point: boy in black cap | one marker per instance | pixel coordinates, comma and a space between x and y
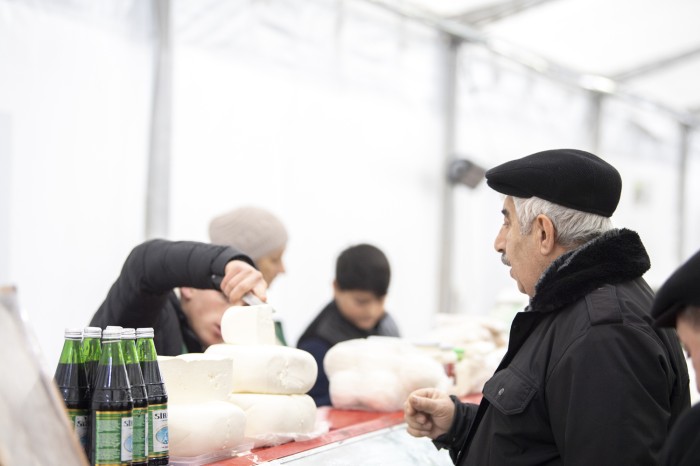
677, 304
586, 380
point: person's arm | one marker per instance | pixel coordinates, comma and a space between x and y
444, 419
155, 267
608, 398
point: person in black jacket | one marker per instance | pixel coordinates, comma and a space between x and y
586, 379
362, 275
210, 279
677, 304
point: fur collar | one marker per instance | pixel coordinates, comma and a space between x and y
614, 257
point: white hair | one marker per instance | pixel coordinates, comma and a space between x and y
572, 227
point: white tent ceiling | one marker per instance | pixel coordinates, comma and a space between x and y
645, 48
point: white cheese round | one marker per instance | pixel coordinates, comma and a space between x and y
198, 428
268, 369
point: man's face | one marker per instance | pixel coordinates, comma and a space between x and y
204, 310
690, 338
520, 252
362, 308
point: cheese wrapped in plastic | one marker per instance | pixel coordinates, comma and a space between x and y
378, 373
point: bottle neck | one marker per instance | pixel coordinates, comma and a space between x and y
71, 352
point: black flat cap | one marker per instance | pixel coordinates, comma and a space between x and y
568, 177
679, 291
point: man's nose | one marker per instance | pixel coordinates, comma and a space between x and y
499, 243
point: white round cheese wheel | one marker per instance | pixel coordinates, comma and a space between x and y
271, 416
198, 428
268, 369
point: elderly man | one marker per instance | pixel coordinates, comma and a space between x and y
677, 304
586, 379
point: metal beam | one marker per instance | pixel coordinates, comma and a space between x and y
497, 12
449, 106
684, 152
656, 65
158, 177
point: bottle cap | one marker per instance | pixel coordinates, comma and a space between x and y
112, 333
92, 332
128, 334
74, 333
144, 332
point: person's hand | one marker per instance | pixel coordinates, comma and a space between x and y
240, 278
428, 413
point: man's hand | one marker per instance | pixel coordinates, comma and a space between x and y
428, 413
240, 278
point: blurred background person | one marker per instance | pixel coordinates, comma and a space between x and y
677, 304
362, 276
259, 234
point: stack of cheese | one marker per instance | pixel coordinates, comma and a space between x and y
247, 389
482, 341
378, 373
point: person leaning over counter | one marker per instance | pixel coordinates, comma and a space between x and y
143, 294
586, 379
677, 304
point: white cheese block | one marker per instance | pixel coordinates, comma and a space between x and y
268, 369
196, 377
270, 418
249, 325
198, 428
378, 374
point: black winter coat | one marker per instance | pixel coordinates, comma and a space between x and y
682, 448
142, 295
586, 379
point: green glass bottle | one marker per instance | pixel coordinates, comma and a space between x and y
112, 405
72, 383
138, 393
90, 351
157, 399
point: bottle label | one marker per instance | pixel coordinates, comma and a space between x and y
109, 431
79, 419
159, 430
127, 438
140, 439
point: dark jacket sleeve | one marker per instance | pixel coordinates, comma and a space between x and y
455, 438
152, 270
318, 349
608, 398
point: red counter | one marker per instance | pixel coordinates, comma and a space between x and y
343, 425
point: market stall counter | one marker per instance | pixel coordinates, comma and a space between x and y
354, 437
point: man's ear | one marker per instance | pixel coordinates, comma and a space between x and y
546, 234
186, 292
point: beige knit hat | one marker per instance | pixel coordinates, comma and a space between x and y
251, 230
